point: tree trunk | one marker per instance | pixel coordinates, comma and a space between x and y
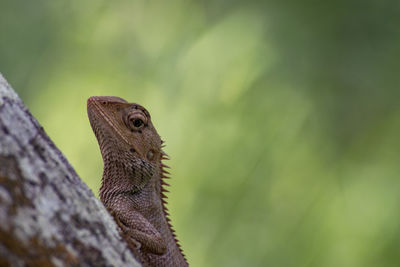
48, 216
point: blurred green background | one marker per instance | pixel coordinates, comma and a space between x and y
282, 118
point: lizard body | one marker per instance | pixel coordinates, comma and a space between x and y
133, 183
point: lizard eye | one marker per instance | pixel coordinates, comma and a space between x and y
136, 121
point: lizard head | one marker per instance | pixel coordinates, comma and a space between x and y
123, 128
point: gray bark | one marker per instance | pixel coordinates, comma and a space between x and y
48, 216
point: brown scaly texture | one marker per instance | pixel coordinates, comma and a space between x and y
133, 183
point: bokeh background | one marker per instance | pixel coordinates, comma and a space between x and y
282, 118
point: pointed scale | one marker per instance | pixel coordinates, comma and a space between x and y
164, 197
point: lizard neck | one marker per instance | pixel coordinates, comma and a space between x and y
124, 174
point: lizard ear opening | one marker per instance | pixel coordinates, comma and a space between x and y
150, 155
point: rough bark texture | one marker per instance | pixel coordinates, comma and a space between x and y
48, 216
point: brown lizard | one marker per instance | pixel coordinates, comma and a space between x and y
133, 183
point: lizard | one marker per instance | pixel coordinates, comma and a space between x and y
133, 184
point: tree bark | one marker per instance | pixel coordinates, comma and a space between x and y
48, 216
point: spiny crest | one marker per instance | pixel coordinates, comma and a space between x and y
164, 173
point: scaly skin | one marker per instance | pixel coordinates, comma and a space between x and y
132, 185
